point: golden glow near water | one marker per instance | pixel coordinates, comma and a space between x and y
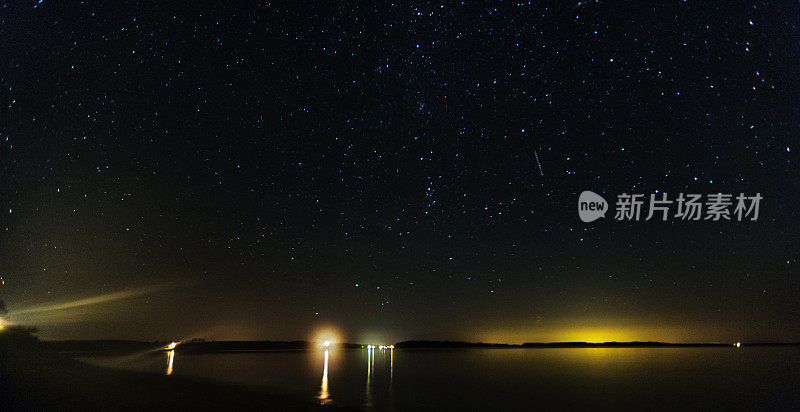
600, 333
326, 336
324, 396
368, 391
170, 360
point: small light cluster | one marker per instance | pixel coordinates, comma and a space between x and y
381, 347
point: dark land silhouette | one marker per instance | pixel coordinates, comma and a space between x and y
119, 347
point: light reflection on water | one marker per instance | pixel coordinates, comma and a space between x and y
324, 396
370, 363
480, 379
391, 366
170, 360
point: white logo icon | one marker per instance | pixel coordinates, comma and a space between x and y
591, 206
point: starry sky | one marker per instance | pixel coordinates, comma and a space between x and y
256, 170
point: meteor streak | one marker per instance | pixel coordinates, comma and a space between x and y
537, 162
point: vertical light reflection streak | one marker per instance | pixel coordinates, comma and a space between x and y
170, 359
368, 392
324, 396
391, 366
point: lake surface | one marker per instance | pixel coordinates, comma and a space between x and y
505, 379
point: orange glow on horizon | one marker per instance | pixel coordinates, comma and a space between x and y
592, 334
596, 335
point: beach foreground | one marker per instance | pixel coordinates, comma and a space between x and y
33, 379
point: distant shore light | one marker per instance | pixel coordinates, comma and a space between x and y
326, 337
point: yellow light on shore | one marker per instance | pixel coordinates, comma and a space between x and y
326, 338
737, 344
171, 346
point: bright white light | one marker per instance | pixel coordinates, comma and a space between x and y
327, 343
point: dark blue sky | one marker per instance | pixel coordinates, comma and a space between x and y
258, 170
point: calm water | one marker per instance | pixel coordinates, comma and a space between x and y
652, 378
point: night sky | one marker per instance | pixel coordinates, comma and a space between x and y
266, 171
